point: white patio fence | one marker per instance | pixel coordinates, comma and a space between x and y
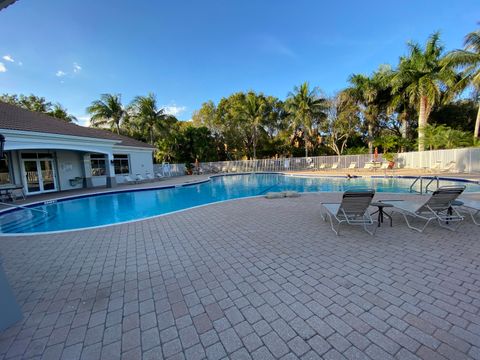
466, 160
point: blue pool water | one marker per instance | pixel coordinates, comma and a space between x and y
119, 207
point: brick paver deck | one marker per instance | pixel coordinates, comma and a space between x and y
253, 278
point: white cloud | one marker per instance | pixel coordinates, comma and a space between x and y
2, 68
83, 120
8, 58
174, 109
20, 63
76, 68
60, 73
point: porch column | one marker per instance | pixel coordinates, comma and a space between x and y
110, 171
87, 170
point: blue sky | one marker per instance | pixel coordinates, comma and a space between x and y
189, 52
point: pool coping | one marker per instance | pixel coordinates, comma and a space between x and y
196, 182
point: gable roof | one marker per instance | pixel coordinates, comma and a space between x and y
15, 118
5, 3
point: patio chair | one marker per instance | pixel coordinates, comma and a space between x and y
437, 207
149, 177
139, 178
450, 167
472, 207
436, 167
353, 210
127, 179
323, 166
352, 165
335, 166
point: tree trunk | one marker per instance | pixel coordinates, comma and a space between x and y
404, 126
255, 144
477, 125
422, 122
370, 138
306, 143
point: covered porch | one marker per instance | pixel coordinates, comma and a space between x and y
50, 163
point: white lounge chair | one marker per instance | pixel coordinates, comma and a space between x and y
450, 167
472, 207
353, 210
436, 167
149, 176
139, 178
322, 166
335, 166
127, 179
437, 207
352, 165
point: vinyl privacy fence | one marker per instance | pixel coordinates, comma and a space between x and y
465, 160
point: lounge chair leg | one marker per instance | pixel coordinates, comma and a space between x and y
337, 230
413, 227
472, 214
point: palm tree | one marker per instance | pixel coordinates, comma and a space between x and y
469, 60
253, 112
151, 118
307, 109
108, 111
423, 78
367, 92
59, 112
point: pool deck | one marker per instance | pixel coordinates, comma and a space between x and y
252, 278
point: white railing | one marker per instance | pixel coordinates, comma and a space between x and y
169, 170
288, 164
466, 160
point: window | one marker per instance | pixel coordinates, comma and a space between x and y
4, 171
97, 162
121, 164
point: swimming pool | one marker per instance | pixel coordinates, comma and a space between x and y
117, 207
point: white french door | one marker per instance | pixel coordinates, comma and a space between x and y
39, 175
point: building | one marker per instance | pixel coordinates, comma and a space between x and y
46, 154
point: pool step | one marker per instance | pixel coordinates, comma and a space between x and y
19, 223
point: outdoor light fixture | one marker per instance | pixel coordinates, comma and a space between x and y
2, 144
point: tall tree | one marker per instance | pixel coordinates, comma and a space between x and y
424, 79
107, 111
306, 108
342, 121
38, 104
469, 60
150, 117
206, 116
372, 94
253, 112
365, 90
